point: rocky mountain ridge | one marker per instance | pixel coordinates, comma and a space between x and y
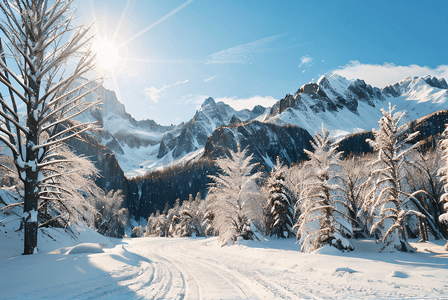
343, 106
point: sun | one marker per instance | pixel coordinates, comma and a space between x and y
107, 56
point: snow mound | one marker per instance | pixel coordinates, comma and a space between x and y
328, 250
87, 248
398, 274
345, 270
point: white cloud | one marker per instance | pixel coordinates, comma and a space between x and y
306, 61
182, 82
192, 99
248, 103
153, 93
387, 73
209, 79
243, 53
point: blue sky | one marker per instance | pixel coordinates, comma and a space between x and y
175, 53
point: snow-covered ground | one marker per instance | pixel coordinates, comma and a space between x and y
197, 268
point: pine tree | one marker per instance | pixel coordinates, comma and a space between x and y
322, 206
387, 203
279, 216
38, 48
233, 197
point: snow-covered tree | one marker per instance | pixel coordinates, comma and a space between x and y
421, 176
160, 225
279, 212
207, 223
233, 198
111, 218
443, 172
40, 42
172, 218
388, 203
323, 208
355, 183
150, 225
137, 231
189, 220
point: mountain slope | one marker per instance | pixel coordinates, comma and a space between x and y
195, 133
350, 106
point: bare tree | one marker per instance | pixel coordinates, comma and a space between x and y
355, 183
40, 43
421, 176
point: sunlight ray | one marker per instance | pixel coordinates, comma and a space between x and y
163, 60
156, 23
92, 8
128, 4
116, 86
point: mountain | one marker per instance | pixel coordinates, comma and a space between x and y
343, 106
350, 106
194, 134
142, 146
265, 141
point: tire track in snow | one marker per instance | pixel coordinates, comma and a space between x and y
208, 271
248, 273
201, 280
169, 281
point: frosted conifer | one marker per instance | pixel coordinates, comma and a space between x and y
387, 202
323, 210
279, 216
233, 197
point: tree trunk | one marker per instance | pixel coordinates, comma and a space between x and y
30, 208
31, 199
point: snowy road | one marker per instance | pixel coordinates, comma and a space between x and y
171, 268
199, 269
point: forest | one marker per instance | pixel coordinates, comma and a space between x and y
395, 193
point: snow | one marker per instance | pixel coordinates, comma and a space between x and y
93, 266
86, 248
417, 98
443, 218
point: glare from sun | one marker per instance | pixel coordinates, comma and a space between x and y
106, 54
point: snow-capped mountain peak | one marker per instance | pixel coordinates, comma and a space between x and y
344, 106
348, 106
